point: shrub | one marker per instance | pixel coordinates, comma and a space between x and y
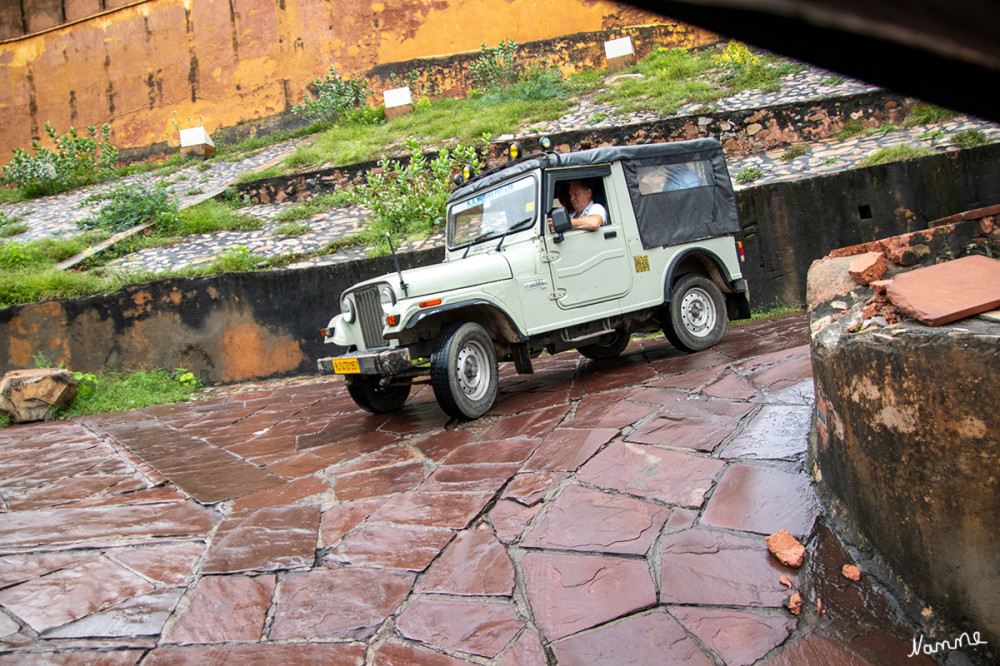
894, 154
120, 391
970, 138
928, 114
749, 174
236, 260
793, 152
536, 85
74, 160
128, 206
495, 68
338, 100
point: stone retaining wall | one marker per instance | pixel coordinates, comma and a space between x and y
243, 326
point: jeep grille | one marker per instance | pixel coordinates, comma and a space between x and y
370, 316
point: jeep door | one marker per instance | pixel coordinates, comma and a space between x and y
588, 268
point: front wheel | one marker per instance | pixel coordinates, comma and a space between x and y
609, 345
464, 370
697, 314
372, 397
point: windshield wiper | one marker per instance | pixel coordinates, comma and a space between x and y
517, 226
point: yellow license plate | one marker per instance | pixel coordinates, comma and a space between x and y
346, 366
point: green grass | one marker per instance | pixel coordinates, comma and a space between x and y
313, 206
927, 114
778, 309
971, 138
749, 174
894, 154
292, 230
794, 151
122, 391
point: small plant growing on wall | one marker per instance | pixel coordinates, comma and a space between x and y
74, 159
749, 174
337, 100
495, 69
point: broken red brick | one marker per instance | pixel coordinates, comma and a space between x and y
794, 603
850, 571
786, 548
880, 286
786, 581
868, 267
946, 292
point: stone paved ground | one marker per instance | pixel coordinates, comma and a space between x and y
602, 513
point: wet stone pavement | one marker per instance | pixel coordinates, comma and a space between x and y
602, 513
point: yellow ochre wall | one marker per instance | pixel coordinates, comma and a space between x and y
233, 61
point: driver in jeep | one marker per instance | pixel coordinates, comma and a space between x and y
585, 213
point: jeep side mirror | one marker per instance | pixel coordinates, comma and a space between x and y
560, 223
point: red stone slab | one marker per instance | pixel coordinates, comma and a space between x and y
650, 639
397, 653
616, 373
379, 482
692, 424
522, 401
474, 564
506, 451
80, 657
142, 615
762, 499
777, 431
343, 517
535, 424
19, 568
731, 386
469, 478
509, 519
63, 491
68, 525
586, 520
225, 609
690, 380
482, 628
704, 567
392, 546
783, 375
345, 426
275, 654
816, 649
569, 592
337, 602
440, 444
949, 291
568, 448
290, 493
739, 637
608, 410
672, 477
380, 459
167, 563
689, 362
430, 509
530, 488
527, 651
264, 540
72, 593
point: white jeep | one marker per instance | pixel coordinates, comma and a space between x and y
517, 280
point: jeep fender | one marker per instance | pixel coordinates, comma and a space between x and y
494, 318
699, 260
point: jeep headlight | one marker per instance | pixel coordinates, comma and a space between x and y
386, 295
347, 310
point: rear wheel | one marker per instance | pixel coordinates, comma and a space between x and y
464, 370
372, 397
697, 314
608, 345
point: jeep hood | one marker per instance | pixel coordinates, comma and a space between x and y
450, 275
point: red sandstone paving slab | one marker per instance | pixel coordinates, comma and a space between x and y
297, 490
343, 517
168, 563
414, 418
757, 498
481, 628
391, 546
621, 372
692, 424
64, 491
264, 540
689, 380
681, 519
732, 386
582, 519
143, 615
380, 459
348, 449
739, 637
672, 477
785, 374
773, 358
608, 410
157, 495
274, 654
719, 569
71, 593
431, 509
440, 444
398, 653
7, 626
379, 482
529, 488
777, 431
337, 602
81, 658
652, 638
527, 651
474, 564
69, 525
816, 649
510, 518
535, 424
505, 451
568, 448
521, 401
948, 291
568, 592
18, 568
225, 609
469, 478
686, 363
343, 427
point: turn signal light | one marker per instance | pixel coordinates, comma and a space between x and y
739, 244
427, 304
392, 320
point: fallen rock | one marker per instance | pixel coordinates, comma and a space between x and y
786, 548
794, 603
880, 286
34, 395
947, 292
786, 581
851, 572
868, 267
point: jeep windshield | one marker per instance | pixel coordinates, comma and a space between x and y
491, 214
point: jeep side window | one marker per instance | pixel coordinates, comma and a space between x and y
672, 177
562, 197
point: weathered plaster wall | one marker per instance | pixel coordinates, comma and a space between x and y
230, 62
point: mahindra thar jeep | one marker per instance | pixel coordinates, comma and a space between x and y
517, 279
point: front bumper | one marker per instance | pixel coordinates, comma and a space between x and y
379, 363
